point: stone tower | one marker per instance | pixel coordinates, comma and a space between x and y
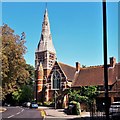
45, 57
45, 52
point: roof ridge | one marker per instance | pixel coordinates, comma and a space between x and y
66, 64
90, 67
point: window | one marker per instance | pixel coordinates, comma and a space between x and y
51, 56
41, 36
56, 80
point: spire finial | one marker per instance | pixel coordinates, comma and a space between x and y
46, 5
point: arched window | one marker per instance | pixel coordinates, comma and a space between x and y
56, 80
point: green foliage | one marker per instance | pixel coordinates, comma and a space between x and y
48, 103
13, 72
16, 95
27, 93
84, 94
91, 93
23, 94
40, 103
31, 71
83, 66
74, 95
83, 99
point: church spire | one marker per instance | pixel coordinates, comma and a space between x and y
45, 53
45, 42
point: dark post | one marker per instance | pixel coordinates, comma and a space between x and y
55, 100
36, 85
105, 59
36, 92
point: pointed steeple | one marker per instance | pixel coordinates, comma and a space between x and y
45, 43
45, 52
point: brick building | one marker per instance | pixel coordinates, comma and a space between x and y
94, 76
53, 76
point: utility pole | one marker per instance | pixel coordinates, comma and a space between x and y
105, 59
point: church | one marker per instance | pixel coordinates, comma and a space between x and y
54, 78
51, 76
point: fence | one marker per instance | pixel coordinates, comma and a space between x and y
96, 114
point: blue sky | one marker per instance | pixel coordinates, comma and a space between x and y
76, 29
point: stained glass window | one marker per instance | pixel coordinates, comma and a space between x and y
56, 79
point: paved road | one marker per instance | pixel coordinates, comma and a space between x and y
21, 113
67, 118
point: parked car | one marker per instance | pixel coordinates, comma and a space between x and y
114, 110
115, 107
26, 104
34, 105
6, 104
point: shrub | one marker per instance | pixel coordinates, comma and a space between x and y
48, 103
40, 103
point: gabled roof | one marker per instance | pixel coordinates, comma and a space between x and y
68, 70
91, 76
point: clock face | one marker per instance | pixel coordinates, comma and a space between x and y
56, 80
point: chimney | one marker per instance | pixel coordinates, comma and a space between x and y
112, 61
77, 67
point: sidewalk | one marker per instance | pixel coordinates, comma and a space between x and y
59, 113
2, 109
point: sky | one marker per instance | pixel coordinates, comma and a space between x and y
76, 29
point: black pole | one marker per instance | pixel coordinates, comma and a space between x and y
36, 89
36, 92
105, 60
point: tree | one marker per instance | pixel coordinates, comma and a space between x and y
25, 92
13, 72
74, 95
90, 93
84, 94
83, 66
16, 96
31, 77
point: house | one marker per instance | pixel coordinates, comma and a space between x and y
94, 76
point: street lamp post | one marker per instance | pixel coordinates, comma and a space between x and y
105, 59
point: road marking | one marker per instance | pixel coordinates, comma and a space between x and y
11, 116
16, 113
22, 110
